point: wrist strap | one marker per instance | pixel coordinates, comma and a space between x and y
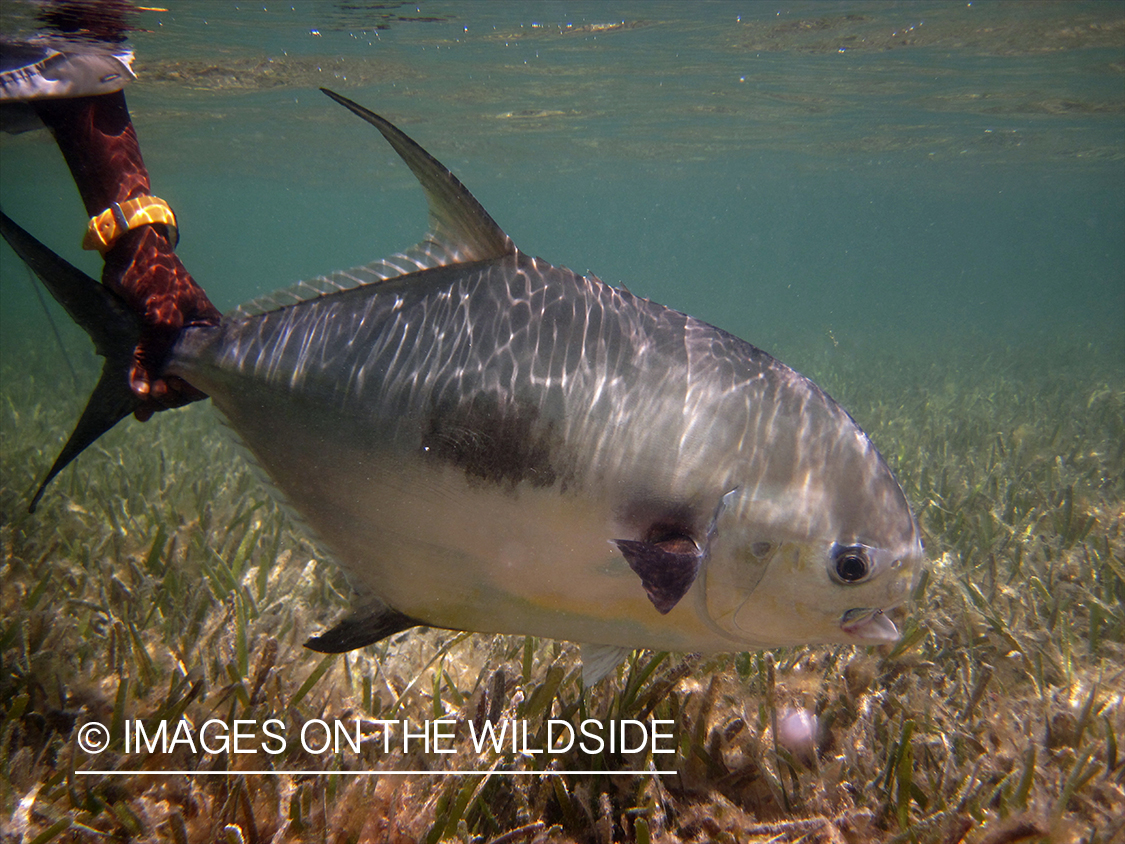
107, 227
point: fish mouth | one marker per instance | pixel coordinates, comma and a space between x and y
869, 624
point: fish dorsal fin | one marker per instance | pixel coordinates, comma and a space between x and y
424, 256
458, 223
460, 231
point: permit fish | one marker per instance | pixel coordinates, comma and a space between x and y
487, 442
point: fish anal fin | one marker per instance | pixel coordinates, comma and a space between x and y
365, 626
667, 569
599, 661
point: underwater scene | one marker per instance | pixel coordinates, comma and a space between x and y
920, 206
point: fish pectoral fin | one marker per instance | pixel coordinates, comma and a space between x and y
666, 569
599, 660
364, 626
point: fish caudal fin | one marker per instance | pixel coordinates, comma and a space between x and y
114, 329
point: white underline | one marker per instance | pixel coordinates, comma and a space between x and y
369, 773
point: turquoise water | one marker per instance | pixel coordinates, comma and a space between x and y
799, 173
919, 205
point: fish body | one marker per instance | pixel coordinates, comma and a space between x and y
488, 442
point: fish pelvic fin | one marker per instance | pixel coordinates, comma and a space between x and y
459, 225
364, 626
600, 661
113, 327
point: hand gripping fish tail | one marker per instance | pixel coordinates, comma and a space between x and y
75, 88
516, 448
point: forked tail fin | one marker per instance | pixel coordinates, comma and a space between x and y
113, 327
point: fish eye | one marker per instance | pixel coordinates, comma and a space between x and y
851, 563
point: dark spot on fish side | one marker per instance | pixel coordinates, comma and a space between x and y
656, 521
760, 549
671, 537
493, 440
